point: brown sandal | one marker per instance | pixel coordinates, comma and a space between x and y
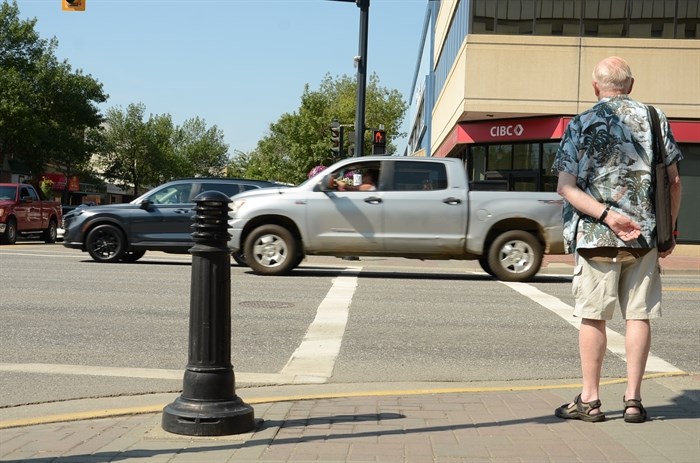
580, 410
640, 417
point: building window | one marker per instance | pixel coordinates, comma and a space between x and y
668, 19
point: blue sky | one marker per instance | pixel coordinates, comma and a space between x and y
237, 64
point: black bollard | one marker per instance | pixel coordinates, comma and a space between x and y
208, 405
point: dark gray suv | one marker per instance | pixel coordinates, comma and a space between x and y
159, 220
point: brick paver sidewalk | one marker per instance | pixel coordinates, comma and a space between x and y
499, 426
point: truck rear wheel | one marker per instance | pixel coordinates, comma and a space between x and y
271, 250
106, 243
515, 255
10, 235
49, 235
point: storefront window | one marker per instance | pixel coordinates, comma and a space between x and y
522, 166
526, 156
549, 152
478, 160
500, 157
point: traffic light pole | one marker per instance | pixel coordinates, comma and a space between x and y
361, 79
361, 61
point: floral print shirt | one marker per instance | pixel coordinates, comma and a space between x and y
608, 148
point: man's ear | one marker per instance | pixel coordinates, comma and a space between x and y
596, 90
629, 90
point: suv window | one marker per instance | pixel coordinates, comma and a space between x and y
229, 189
173, 194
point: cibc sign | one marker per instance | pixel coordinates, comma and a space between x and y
507, 130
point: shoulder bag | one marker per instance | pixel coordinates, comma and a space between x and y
662, 196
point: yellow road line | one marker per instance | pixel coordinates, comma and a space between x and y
106, 413
682, 289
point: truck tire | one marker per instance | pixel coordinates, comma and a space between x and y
10, 235
49, 235
515, 255
106, 243
271, 250
484, 263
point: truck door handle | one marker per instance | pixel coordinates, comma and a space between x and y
182, 211
452, 200
373, 200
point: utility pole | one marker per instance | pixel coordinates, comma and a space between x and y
361, 79
361, 62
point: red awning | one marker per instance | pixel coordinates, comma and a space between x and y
60, 182
535, 128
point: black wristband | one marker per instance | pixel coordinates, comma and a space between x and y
604, 214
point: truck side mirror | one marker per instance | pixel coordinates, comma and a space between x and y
145, 204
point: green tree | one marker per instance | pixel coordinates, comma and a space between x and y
133, 151
198, 150
139, 152
300, 140
45, 106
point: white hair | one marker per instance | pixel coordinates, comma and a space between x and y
613, 74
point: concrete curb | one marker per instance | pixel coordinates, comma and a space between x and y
105, 407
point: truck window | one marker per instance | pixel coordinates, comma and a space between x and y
25, 192
7, 192
415, 176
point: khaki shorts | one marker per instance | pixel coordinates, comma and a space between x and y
635, 285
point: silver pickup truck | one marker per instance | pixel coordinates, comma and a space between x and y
418, 208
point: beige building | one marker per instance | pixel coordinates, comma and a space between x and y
498, 81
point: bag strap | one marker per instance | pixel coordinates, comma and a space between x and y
657, 143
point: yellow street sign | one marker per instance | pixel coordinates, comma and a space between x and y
73, 5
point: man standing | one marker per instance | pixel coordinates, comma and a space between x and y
605, 163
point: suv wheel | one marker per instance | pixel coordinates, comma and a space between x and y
239, 257
132, 256
105, 243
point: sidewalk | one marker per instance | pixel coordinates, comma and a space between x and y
417, 422
434, 423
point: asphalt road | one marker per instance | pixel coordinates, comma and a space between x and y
73, 328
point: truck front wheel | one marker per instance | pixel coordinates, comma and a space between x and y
10, 235
271, 250
106, 243
515, 255
49, 235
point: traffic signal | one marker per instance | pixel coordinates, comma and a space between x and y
73, 5
378, 142
337, 140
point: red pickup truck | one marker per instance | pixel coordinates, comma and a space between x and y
23, 211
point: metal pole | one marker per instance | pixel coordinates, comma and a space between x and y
361, 79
